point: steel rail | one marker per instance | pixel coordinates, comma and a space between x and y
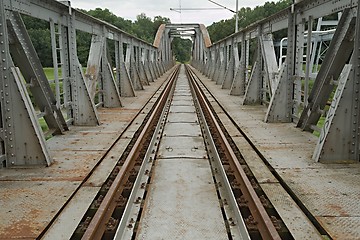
264, 223
97, 226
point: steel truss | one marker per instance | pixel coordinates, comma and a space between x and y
283, 84
77, 94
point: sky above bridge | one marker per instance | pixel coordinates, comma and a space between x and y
129, 9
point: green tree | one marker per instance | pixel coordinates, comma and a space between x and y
39, 32
109, 17
182, 49
158, 20
247, 16
143, 28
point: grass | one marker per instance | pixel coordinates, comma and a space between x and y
49, 72
320, 124
43, 124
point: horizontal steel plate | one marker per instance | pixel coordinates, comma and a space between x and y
189, 102
182, 129
182, 203
342, 227
182, 117
188, 94
182, 98
297, 222
184, 147
182, 109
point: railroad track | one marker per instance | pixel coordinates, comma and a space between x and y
126, 206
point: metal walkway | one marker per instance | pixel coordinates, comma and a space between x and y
182, 201
31, 198
329, 192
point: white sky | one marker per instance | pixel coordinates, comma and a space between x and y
129, 9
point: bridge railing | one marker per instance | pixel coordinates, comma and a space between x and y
75, 94
300, 63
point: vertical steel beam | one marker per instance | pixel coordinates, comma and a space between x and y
223, 60
340, 137
341, 48
337, 140
299, 56
66, 73
281, 103
134, 72
25, 56
230, 71
217, 62
269, 62
355, 120
111, 94
140, 62
21, 139
309, 52
151, 65
238, 86
55, 49
83, 107
93, 68
253, 91
122, 73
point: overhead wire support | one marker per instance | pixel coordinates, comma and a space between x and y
192, 9
222, 6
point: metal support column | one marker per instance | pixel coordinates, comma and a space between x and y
122, 73
21, 139
238, 86
253, 90
83, 107
341, 49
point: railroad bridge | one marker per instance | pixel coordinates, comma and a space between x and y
256, 138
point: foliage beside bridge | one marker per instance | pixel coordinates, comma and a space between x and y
247, 16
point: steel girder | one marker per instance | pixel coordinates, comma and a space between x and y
99, 73
22, 140
282, 88
335, 60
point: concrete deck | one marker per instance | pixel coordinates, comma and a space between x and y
330, 192
32, 197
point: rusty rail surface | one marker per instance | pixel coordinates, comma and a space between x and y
261, 218
99, 222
